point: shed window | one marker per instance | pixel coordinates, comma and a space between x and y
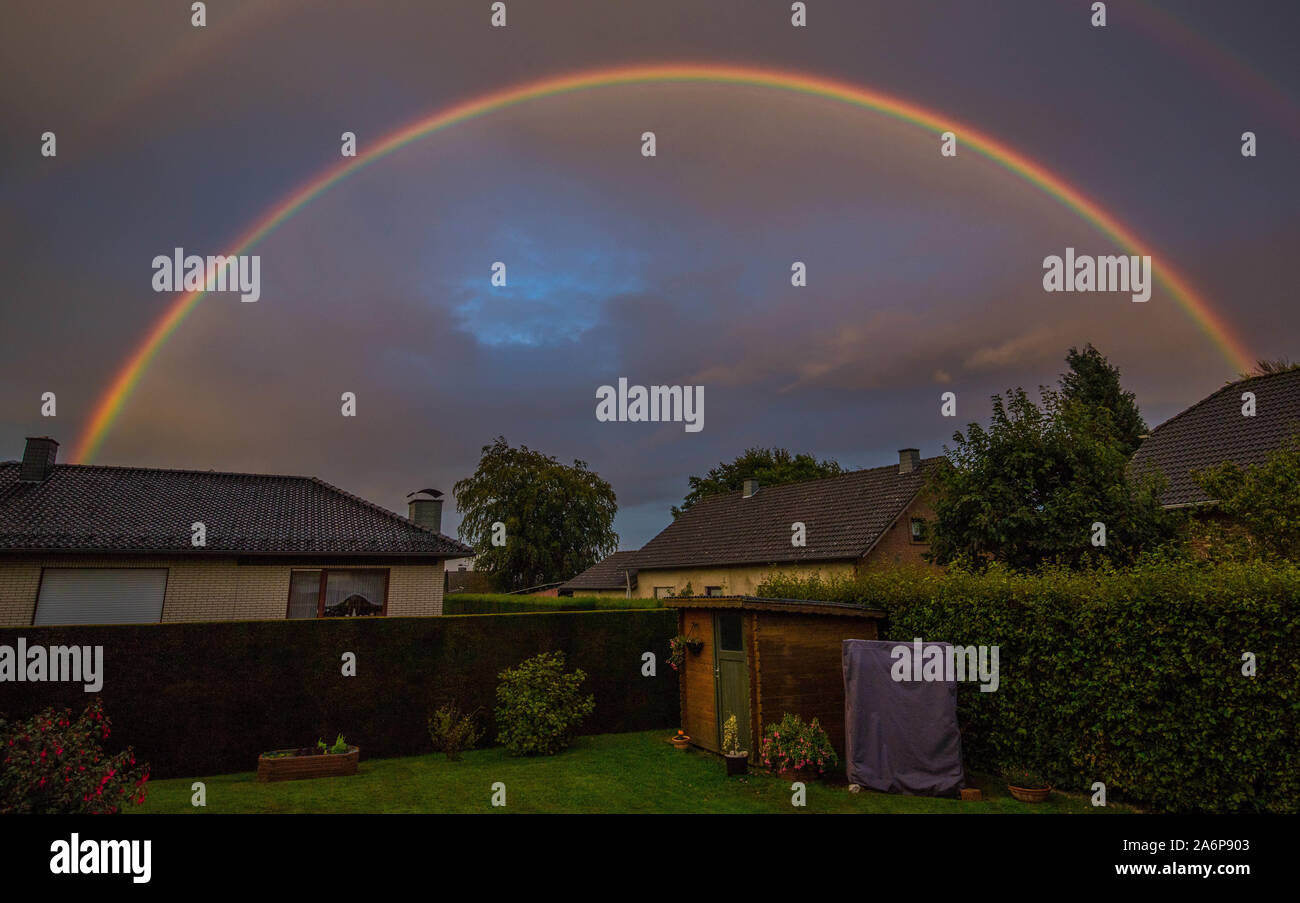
729, 632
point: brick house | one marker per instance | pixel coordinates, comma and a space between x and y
726, 545
85, 544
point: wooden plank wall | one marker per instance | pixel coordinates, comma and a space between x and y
699, 701
799, 668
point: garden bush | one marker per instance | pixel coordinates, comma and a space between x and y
540, 705
54, 764
453, 730
502, 603
1130, 677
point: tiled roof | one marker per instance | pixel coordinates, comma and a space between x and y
844, 516
1214, 430
607, 574
88, 508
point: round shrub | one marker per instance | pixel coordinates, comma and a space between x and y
540, 705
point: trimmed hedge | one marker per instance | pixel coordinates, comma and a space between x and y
1133, 678
196, 699
500, 603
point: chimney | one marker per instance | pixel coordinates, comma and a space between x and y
38, 459
751, 487
426, 512
909, 459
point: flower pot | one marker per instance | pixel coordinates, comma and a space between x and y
291, 765
737, 763
682, 742
1029, 794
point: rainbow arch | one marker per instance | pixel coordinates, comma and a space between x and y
1197, 307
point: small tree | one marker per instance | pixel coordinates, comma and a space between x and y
556, 520
770, 466
540, 705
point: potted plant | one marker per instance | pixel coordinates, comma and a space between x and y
737, 758
682, 740
320, 761
798, 748
1026, 784
677, 647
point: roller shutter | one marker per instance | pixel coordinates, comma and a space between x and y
101, 596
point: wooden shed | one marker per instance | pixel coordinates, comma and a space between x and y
760, 658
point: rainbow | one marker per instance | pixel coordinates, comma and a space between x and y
1212, 324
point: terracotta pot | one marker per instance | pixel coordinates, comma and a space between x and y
681, 741
1029, 794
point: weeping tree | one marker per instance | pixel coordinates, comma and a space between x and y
533, 520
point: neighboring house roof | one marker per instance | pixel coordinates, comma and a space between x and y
613, 572
1214, 430
844, 516
89, 508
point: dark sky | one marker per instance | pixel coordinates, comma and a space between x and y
925, 275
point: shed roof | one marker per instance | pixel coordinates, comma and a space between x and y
614, 572
759, 603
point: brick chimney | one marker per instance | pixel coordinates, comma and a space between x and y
38, 459
909, 459
426, 512
751, 488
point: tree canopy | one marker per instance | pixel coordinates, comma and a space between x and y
1261, 505
770, 466
1032, 488
557, 520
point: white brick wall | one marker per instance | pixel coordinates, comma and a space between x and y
217, 589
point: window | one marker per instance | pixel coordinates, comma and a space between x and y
729, 632
663, 592
713, 591
338, 593
919, 531
100, 596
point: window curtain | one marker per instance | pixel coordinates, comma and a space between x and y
352, 593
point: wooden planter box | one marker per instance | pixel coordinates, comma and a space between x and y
296, 768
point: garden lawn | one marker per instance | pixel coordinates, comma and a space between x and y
638, 772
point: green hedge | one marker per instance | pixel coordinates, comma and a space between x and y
1131, 678
500, 603
196, 699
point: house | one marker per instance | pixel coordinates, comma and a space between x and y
615, 576
726, 545
758, 659
1244, 422
86, 544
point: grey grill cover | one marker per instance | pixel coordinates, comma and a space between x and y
899, 736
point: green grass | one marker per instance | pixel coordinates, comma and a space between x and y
632, 773
499, 603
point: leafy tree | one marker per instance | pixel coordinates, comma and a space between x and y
1028, 490
1260, 506
558, 519
1094, 381
770, 466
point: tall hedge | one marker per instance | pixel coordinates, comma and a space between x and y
196, 699
1133, 678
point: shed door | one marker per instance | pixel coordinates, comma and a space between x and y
732, 672
101, 596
